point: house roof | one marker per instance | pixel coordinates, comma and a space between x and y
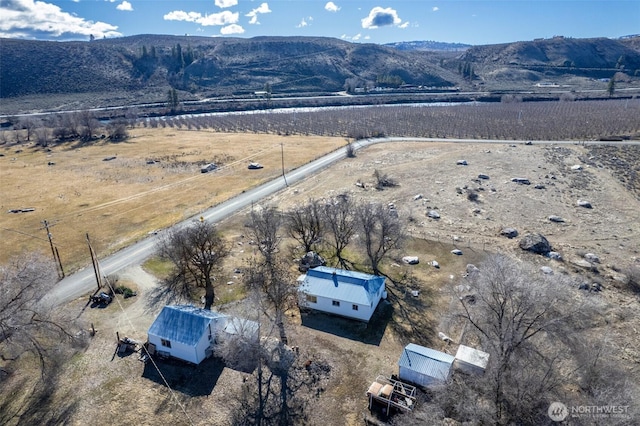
472, 356
183, 323
339, 284
426, 361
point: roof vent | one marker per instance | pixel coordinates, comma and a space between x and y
335, 278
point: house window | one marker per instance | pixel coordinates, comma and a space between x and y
166, 343
335, 303
312, 299
354, 307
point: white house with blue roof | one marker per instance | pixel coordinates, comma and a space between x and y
424, 366
186, 332
337, 291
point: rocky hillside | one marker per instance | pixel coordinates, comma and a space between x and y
143, 68
221, 65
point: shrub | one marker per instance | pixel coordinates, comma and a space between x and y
126, 292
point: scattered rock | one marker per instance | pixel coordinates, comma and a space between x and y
584, 286
591, 258
471, 268
585, 204
556, 219
576, 167
462, 162
444, 337
509, 232
456, 252
535, 243
433, 214
546, 270
483, 176
418, 197
540, 186
411, 260
554, 255
596, 287
109, 158
582, 263
435, 264
521, 181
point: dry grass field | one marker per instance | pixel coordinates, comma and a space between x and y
121, 200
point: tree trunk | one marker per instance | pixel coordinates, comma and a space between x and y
209, 295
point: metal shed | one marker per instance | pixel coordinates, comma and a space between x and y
424, 366
470, 360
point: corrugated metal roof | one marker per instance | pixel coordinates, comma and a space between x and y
426, 361
183, 323
339, 284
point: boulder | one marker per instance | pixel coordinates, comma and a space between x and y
591, 258
411, 260
576, 167
418, 197
585, 204
483, 176
457, 252
433, 214
546, 270
556, 219
509, 232
462, 162
472, 268
535, 243
521, 181
554, 255
435, 264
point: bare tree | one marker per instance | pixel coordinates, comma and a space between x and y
117, 130
88, 124
197, 252
304, 224
521, 318
266, 224
339, 221
381, 232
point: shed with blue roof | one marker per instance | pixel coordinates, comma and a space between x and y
340, 292
424, 366
186, 332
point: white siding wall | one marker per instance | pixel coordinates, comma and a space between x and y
345, 309
177, 349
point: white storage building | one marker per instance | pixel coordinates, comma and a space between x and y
424, 366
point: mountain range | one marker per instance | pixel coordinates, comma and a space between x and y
146, 66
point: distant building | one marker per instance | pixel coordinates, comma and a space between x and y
336, 291
424, 366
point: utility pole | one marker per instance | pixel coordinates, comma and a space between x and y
94, 261
282, 152
54, 250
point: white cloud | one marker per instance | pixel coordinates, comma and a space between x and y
263, 8
38, 19
231, 29
380, 17
225, 3
404, 25
305, 22
435, 8
331, 7
356, 37
125, 5
222, 18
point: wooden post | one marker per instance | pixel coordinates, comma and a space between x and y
94, 261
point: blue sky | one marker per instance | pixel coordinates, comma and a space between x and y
380, 21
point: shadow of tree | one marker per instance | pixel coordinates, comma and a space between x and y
189, 379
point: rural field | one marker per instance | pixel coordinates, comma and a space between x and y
123, 199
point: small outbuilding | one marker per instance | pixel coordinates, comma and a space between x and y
186, 332
424, 366
470, 360
337, 291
